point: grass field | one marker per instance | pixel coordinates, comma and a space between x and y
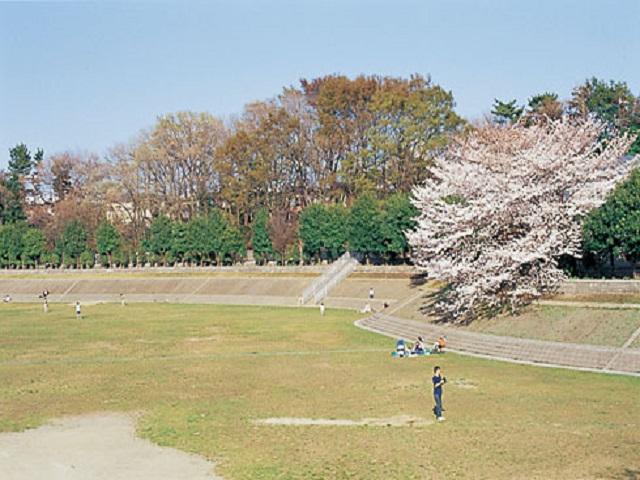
200, 375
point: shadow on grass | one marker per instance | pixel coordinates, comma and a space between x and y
628, 474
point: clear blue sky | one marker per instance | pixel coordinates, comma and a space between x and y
87, 75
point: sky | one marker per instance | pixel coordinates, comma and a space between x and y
85, 76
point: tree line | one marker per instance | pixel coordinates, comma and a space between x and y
281, 179
372, 227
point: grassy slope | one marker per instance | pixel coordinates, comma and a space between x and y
115, 274
594, 326
566, 324
190, 370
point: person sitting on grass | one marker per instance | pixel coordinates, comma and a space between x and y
438, 347
401, 348
419, 346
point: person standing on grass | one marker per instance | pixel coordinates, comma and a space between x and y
322, 309
438, 381
78, 310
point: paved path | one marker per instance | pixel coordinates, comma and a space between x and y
620, 360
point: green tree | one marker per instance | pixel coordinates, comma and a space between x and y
87, 259
72, 242
365, 227
197, 239
611, 102
262, 246
233, 247
179, 242
218, 236
11, 244
398, 216
323, 231
413, 121
613, 230
107, 240
18, 182
506, 112
33, 246
545, 105
335, 231
310, 230
160, 237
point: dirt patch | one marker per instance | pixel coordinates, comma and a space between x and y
398, 421
202, 339
463, 383
100, 447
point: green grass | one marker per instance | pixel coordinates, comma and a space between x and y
599, 298
200, 374
566, 324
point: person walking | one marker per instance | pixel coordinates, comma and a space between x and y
438, 381
371, 293
78, 311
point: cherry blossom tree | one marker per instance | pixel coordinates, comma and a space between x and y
503, 204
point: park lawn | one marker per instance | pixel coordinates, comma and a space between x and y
200, 375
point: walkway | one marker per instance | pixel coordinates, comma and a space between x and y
622, 360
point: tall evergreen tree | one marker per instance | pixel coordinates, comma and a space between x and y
33, 246
72, 242
262, 246
11, 243
613, 230
365, 227
398, 216
107, 240
612, 103
506, 112
310, 230
15, 183
160, 237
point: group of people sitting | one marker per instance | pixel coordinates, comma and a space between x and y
419, 348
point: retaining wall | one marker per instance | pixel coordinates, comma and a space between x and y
600, 287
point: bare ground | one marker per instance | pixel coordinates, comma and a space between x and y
99, 446
397, 421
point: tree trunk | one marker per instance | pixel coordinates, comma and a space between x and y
612, 261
